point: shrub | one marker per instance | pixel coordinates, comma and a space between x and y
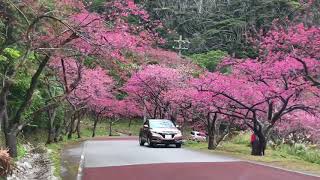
6, 164
302, 152
242, 138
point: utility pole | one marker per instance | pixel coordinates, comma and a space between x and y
181, 42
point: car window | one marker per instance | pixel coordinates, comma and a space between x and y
192, 133
161, 124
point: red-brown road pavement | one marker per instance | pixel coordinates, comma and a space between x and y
124, 159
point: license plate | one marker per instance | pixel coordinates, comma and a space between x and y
167, 136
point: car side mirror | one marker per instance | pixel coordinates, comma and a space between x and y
177, 126
145, 126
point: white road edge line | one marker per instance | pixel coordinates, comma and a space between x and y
81, 163
283, 169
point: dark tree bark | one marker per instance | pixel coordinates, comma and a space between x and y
215, 134
57, 136
51, 128
130, 121
110, 128
78, 127
71, 126
211, 123
95, 126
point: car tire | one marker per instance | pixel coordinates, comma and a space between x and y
150, 143
178, 145
141, 142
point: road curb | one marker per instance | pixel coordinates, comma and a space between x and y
81, 163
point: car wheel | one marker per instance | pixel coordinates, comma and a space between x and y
150, 143
178, 145
141, 142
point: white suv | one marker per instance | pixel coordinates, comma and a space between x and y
198, 136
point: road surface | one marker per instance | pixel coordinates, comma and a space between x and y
124, 159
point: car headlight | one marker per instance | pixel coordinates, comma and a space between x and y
154, 133
179, 134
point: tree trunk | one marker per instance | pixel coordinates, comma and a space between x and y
95, 127
212, 142
71, 127
155, 112
11, 143
57, 136
66, 120
130, 121
10, 138
110, 128
51, 135
1, 123
258, 147
211, 123
78, 127
51, 128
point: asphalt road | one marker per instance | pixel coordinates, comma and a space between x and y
125, 160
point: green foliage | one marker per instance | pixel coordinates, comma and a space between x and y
9, 57
2, 37
134, 20
90, 62
55, 157
21, 151
11, 52
301, 151
121, 96
96, 5
209, 60
220, 24
49, 4
295, 3
3, 59
242, 138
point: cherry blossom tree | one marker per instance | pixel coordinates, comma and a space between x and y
200, 109
129, 109
260, 95
296, 46
299, 127
95, 85
148, 87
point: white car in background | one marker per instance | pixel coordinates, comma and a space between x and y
198, 136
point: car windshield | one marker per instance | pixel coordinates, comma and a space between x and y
161, 124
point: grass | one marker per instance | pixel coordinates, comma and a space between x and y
284, 156
121, 126
55, 158
21, 151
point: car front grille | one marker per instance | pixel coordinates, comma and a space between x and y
163, 134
